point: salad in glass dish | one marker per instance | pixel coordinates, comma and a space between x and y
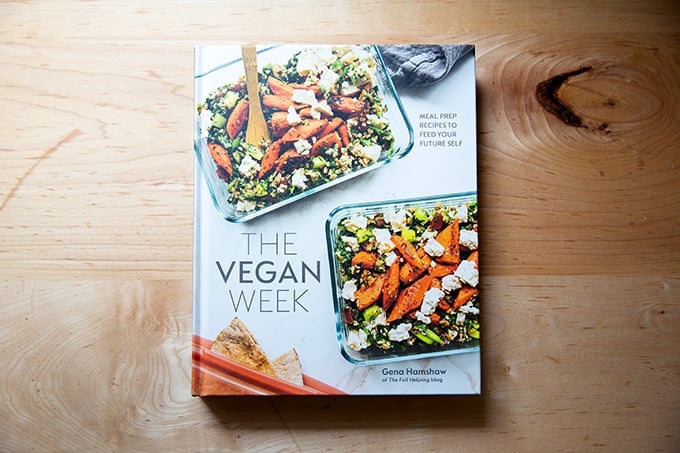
406, 278
331, 111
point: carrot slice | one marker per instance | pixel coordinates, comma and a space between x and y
408, 252
364, 259
474, 257
279, 87
366, 296
269, 160
221, 157
440, 270
279, 123
325, 142
303, 131
390, 290
465, 294
237, 118
449, 237
410, 298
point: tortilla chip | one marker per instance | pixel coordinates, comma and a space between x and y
288, 367
237, 343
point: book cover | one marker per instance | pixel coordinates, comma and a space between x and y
335, 226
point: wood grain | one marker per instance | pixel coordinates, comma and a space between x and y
581, 229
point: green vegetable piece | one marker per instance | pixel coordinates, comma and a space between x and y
371, 313
219, 120
474, 333
432, 336
408, 234
254, 152
318, 162
421, 215
363, 235
424, 338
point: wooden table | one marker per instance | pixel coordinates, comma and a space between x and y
581, 259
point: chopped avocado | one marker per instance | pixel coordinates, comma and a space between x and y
363, 235
219, 120
371, 313
408, 234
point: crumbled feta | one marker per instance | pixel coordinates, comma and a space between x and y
348, 289
379, 320
461, 213
328, 80
355, 223
306, 61
205, 120
321, 108
376, 121
467, 272
434, 248
400, 332
390, 258
468, 239
293, 118
384, 239
245, 206
428, 234
468, 308
460, 317
352, 242
302, 146
357, 339
299, 179
248, 166
430, 300
304, 96
346, 89
397, 220
372, 152
422, 317
451, 282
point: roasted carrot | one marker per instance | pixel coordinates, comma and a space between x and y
440, 270
407, 251
325, 142
465, 294
390, 290
474, 257
366, 296
449, 237
364, 259
279, 123
304, 130
279, 87
332, 125
410, 298
269, 159
221, 157
237, 118
289, 159
343, 132
275, 102
348, 106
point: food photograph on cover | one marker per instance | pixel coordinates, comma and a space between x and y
336, 199
331, 113
405, 278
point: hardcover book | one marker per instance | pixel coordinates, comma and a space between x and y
335, 227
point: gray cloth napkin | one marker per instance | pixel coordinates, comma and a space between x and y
418, 64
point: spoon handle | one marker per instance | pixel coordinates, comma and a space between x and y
257, 130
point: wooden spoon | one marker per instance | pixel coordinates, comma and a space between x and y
257, 130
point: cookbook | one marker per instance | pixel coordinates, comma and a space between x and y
336, 244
